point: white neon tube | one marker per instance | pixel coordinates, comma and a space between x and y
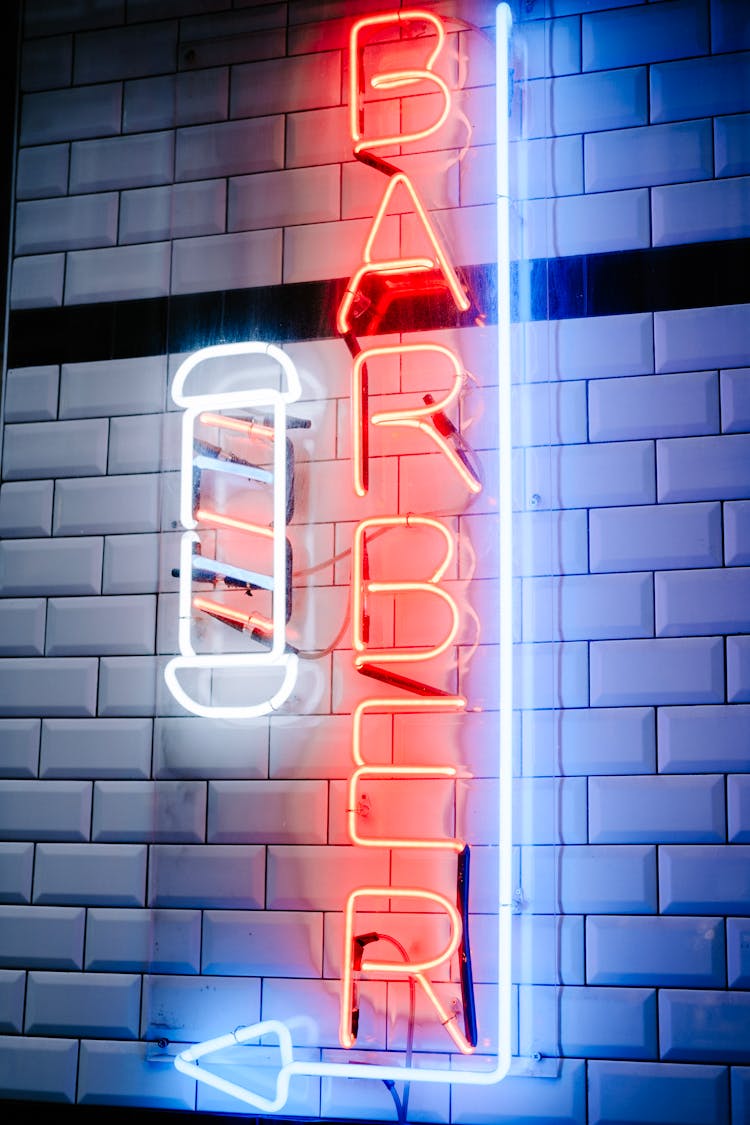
276, 659
505, 511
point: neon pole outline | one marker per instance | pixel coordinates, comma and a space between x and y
276, 658
187, 1061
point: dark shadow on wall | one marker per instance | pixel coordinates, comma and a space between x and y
9, 67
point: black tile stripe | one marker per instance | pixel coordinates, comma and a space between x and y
697, 275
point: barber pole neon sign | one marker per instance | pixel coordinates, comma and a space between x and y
408, 671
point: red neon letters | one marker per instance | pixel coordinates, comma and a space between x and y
369, 591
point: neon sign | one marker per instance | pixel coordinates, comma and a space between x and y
412, 674
203, 464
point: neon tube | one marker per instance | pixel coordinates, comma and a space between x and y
375, 773
439, 260
505, 512
361, 587
411, 417
238, 425
394, 706
250, 621
394, 79
275, 658
233, 468
221, 520
417, 969
188, 1060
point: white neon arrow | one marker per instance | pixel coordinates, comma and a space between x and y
187, 1063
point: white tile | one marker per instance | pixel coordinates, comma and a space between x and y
95, 748
119, 386
704, 468
695, 339
122, 1073
702, 602
217, 875
26, 508
161, 811
267, 812
236, 751
83, 1004
285, 85
20, 741
590, 476
44, 18
145, 444
654, 406
230, 149
120, 273
45, 686
320, 878
62, 115
22, 627
655, 537
585, 103
45, 810
153, 941
90, 874
694, 1095
665, 670
268, 943
184, 1008
738, 668
544, 167
131, 564
31, 393
736, 532
42, 172
46, 64
735, 400
227, 261
107, 506
50, 566
177, 211
655, 154
701, 212
596, 347
644, 35
101, 626
732, 144
39, 1068
700, 87
121, 162
125, 52
16, 867
12, 993
660, 810
70, 223
42, 937
278, 199
586, 224
55, 449
190, 98
37, 281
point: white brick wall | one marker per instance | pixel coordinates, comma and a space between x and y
168, 876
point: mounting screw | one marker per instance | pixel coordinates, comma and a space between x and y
535, 500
